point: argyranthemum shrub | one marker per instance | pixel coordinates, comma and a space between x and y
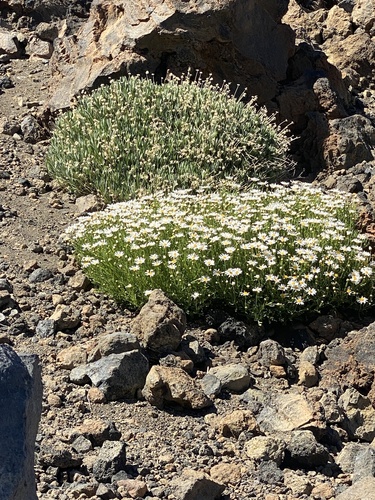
272, 254
135, 137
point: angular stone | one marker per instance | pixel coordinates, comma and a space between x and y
364, 464
45, 328
298, 484
87, 204
111, 459
71, 357
351, 361
39, 48
20, 410
32, 131
285, 412
54, 453
226, 473
326, 327
66, 317
97, 431
332, 412
165, 384
160, 324
361, 490
233, 377
126, 40
236, 422
81, 445
363, 14
307, 374
360, 421
304, 451
40, 275
132, 487
261, 448
192, 485
119, 375
9, 44
79, 281
271, 353
79, 376
211, 385
244, 335
347, 456
117, 343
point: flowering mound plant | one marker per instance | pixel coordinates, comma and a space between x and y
274, 252
134, 137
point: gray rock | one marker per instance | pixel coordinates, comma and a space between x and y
6, 285
259, 57
233, 377
271, 353
211, 385
54, 453
106, 491
311, 354
40, 275
47, 31
333, 413
79, 375
81, 445
46, 328
82, 489
326, 327
353, 138
20, 410
119, 375
285, 412
304, 451
165, 384
193, 485
269, 473
31, 130
111, 459
160, 324
9, 44
5, 298
261, 448
297, 483
361, 490
347, 456
255, 400
364, 464
117, 342
360, 415
244, 335
193, 349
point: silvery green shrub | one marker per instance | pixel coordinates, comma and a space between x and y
133, 137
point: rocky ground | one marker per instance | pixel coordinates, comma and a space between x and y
287, 414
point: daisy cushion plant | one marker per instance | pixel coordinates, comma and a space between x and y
273, 253
134, 137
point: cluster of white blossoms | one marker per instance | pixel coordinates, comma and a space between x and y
271, 252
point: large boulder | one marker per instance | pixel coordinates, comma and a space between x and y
242, 41
20, 410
